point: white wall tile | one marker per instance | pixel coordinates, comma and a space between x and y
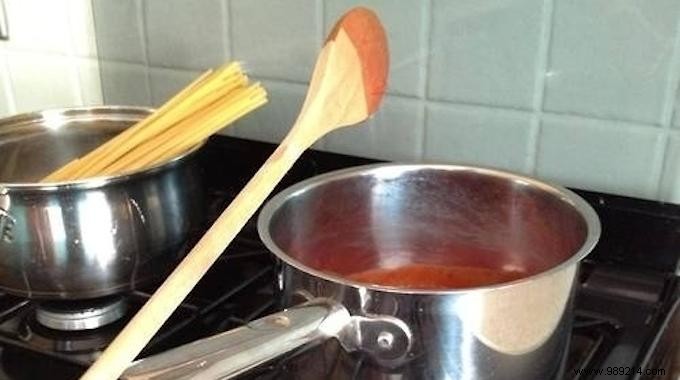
81, 23
41, 83
185, 34
484, 52
611, 59
276, 38
394, 133
599, 155
8, 104
670, 180
125, 84
476, 60
475, 135
90, 82
36, 25
273, 121
119, 30
167, 82
43, 64
405, 35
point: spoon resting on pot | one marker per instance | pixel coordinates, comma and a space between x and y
347, 85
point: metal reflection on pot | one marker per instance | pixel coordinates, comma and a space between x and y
94, 237
329, 227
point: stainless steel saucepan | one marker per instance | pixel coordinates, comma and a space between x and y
93, 237
326, 229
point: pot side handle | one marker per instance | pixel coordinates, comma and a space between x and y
236, 351
6, 220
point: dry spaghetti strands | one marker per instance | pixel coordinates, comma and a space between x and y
190, 132
203, 92
212, 101
79, 167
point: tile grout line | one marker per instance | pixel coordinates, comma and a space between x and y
71, 58
233, 130
426, 44
542, 64
227, 30
320, 28
95, 59
8, 86
168, 69
472, 106
141, 19
100, 61
280, 80
658, 164
671, 93
666, 117
602, 121
475, 107
321, 22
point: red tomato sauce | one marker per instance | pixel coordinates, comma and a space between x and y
426, 276
423, 264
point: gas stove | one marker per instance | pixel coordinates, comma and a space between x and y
627, 320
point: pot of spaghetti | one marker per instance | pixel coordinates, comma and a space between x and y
94, 237
429, 271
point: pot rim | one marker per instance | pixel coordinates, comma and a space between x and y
582, 207
90, 113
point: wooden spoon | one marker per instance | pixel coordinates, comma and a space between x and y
347, 86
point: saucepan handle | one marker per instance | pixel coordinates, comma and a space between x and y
234, 352
6, 220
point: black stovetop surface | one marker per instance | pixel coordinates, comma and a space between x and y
628, 293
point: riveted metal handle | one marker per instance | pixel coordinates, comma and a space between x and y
229, 354
6, 220
385, 338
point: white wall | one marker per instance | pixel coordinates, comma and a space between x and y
50, 59
582, 92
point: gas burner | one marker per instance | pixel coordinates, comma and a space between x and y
83, 346
80, 315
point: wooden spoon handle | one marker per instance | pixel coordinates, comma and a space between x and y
132, 339
315, 119
338, 96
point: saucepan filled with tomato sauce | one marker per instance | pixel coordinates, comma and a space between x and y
429, 271
479, 263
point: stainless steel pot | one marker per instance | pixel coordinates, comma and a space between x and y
329, 227
93, 237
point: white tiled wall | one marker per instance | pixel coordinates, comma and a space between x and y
50, 59
582, 92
